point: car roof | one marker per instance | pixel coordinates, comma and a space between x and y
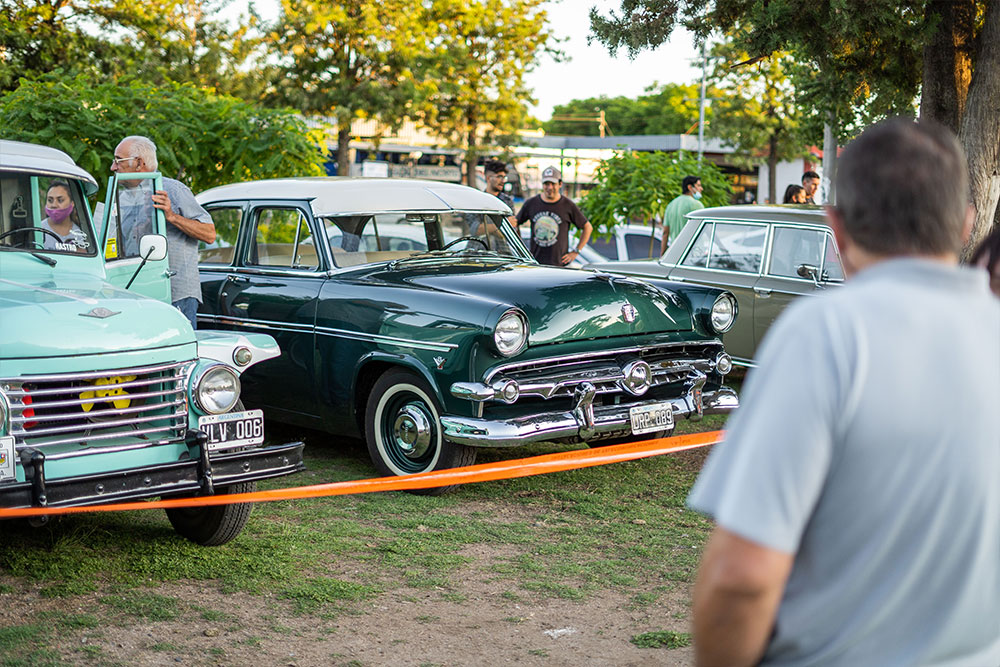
345, 196
800, 213
22, 157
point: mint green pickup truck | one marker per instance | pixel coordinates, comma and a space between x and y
106, 392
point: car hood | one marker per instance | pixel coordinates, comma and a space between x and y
77, 313
565, 304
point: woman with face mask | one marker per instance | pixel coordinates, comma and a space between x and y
62, 219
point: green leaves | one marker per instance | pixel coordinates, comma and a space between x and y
203, 139
638, 186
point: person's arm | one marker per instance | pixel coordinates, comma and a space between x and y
736, 597
203, 231
573, 253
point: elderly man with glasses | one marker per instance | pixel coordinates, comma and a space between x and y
187, 222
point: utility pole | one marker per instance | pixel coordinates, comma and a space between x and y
701, 103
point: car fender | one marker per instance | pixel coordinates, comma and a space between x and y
222, 346
407, 361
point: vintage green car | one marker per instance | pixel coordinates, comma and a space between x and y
765, 255
106, 394
466, 342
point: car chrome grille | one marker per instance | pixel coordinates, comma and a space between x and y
146, 405
559, 377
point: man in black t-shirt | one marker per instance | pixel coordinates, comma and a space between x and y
551, 215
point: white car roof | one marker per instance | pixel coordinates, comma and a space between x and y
347, 196
18, 156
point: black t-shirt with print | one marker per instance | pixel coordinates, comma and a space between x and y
550, 227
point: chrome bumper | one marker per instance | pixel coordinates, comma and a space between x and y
584, 421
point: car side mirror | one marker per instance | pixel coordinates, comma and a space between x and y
809, 271
153, 247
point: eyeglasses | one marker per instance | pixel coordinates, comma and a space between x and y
118, 160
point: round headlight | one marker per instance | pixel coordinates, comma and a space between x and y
723, 313
217, 390
511, 333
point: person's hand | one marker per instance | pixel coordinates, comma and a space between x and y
570, 256
161, 200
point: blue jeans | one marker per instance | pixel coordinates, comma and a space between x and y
188, 306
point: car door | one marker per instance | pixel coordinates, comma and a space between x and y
128, 215
273, 288
791, 247
728, 254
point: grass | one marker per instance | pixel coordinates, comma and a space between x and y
662, 639
568, 536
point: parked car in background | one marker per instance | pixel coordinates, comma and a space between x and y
106, 392
765, 255
628, 241
429, 354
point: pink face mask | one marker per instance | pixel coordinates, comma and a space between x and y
57, 215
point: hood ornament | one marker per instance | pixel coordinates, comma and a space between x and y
100, 313
629, 312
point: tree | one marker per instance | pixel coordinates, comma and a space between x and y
179, 40
757, 113
668, 109
349, 60
481, 55
871, 59
202, 138
639, 185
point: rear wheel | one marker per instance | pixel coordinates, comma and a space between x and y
403, 430
215, 525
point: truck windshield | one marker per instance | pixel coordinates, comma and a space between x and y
44, 214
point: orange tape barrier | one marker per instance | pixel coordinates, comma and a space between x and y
484, 472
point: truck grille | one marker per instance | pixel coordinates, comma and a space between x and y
558, 377
145, 405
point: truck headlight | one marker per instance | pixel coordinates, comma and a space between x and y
510, 335
217, 390
723, 313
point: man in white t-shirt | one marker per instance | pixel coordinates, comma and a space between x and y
856, 499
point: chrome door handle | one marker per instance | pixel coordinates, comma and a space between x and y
237, 279
760, 291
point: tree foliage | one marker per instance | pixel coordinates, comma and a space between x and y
203, 139
165, 40
866, 60
637, 186
668, 109
481, 54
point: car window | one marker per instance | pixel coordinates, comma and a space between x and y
606, 246
792, 247
698, 254
44, 214
832, 268
282, 239
639, 246
227, 227
737, 247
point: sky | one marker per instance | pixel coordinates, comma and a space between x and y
590, 71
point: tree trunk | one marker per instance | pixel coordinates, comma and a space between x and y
980, 129
948, 61
344, 148
830, 160
471, 156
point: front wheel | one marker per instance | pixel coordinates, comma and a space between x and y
403, 430
214, 525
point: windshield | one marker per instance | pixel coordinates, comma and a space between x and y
380, 237
44, 214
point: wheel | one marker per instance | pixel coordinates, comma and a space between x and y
403, 430
215, 525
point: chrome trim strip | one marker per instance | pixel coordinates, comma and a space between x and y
113, 449
96, 374
328, 331
35, 393
81, 401
78, 439
99, 413
99, 426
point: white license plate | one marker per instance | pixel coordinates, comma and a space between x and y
651, 418
7, 454
233, 429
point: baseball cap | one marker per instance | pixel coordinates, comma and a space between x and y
551, 175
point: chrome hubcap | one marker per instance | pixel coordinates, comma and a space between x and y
412, 431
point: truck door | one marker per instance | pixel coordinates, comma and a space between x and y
129, 215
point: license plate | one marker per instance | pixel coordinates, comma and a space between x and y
6, 457
651, 418
233, 429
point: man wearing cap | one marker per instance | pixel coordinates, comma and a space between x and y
551, 215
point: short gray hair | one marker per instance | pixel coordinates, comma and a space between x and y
903, 189
143, 147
